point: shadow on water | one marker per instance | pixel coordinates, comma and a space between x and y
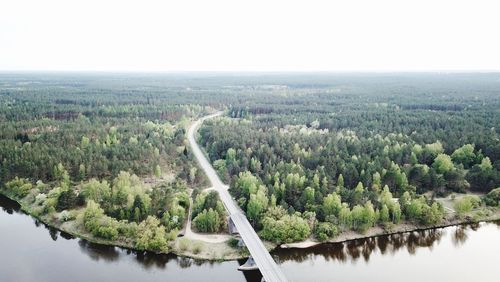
250, 275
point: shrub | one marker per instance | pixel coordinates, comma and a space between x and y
127, 229
183, 244
197, 247
325, 230
19, 187
67, 200
40, 199
66, 216
466, 204
233, 242
151, 235
431, 214
492, 198
98, 224
107, 229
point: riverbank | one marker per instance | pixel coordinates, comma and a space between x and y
197, 249
396, 229
223, 251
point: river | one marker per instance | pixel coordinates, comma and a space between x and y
31, 251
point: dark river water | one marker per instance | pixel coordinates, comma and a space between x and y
30, 251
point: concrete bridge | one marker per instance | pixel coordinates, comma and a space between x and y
266, 264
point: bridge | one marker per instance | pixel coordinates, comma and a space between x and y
266, 264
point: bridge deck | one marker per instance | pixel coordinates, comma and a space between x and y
267, 266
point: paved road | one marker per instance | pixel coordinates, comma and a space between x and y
267, 266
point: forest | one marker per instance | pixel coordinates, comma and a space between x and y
304, 154
351, 157
98, 155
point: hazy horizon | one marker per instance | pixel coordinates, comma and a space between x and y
238, 36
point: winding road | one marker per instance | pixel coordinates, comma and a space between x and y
271, 272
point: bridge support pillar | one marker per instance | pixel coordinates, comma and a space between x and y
232, 227
241, 243
248, 265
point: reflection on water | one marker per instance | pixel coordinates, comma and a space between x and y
354, 250
8, 206
99, 252
24, 242
53, 255
363, 248
460, 236
456, 253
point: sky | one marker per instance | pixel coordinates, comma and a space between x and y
251, 35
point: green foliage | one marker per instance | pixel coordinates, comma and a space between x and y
455, 181
464, 155
208, 221
184, 244
96, 191
376, 181
431, 151
363, 217
331, 205
283, 228
99, 224
61, 175
157, 171
220, 167
483, 177
151, 235
245, 184
63, 135
127, 229
393, 209
340, 180
486, 164
492, 198
384, 214
68, 199
325, 230
414, 209
168, 202
301, 149
208, 212
432, 215
19, 187
466, 204
308, 194
396, 213
197, 247
385, 197
66, 216
420, 211
442, 163
345, 216
257, 205
395, 178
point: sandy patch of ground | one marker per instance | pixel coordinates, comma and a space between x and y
205, 250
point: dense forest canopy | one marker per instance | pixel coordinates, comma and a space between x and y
329, 157
304, 153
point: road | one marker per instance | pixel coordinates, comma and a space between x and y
267, 266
